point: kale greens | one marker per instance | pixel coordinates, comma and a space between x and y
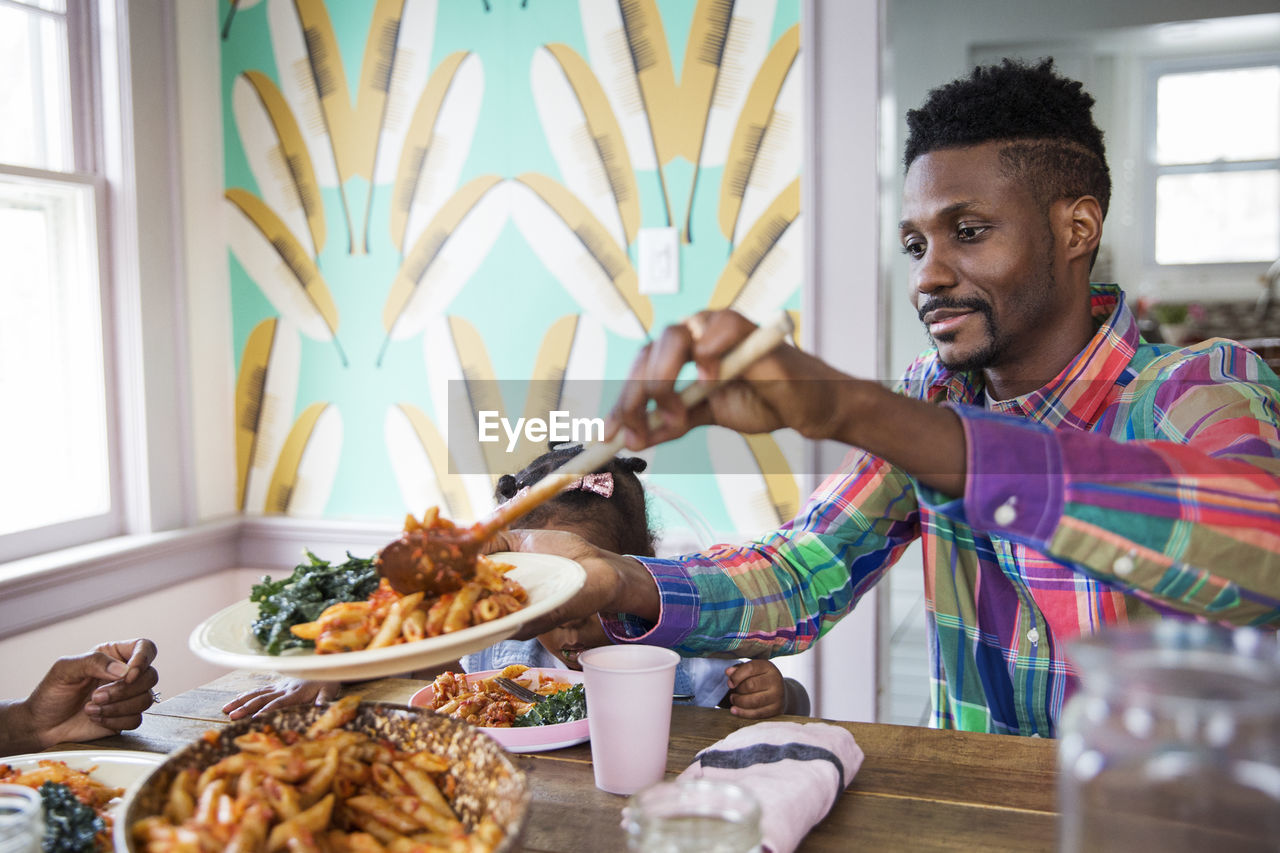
304, 595
563, 707
69, 825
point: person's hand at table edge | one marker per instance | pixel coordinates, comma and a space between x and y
281, 694
83, 697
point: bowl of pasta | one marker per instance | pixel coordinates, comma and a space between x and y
338, 777
519, 726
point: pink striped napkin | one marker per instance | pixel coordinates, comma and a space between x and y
795, 770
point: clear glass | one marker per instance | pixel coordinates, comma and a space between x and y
1218, 217
1231, 115
1172, 742
21, 819
53, 439
35, 92
692, 816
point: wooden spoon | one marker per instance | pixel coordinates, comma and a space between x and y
440, 558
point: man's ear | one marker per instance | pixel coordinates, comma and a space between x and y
1081, 224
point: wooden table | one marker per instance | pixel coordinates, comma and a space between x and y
918, 789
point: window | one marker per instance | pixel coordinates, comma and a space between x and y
56, 455
1214, 147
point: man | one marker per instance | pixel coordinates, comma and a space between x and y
1063, 474
83, 698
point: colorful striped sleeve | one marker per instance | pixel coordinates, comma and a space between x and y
1185, 516
778, 594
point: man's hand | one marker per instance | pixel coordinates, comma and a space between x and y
756, 689
785, 388
84, 697
615, 584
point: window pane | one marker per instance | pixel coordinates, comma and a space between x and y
47, 5
53, 437
35, 100
1218, 217
1218, 115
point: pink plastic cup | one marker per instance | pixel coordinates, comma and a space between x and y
628, 713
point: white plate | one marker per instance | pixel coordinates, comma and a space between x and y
118, 768
226, 638
525, 738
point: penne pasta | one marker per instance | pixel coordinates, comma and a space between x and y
352, 793
482, 702
389, 632
386, 618
427, 792
459, 613
414, 627
182, 804
383, 811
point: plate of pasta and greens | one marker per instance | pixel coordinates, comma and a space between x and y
82, 792
520, 726
341, 622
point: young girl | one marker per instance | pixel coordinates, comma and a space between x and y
607, 508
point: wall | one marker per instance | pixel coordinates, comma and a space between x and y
469, 237
165, 617
171, 64
390, 375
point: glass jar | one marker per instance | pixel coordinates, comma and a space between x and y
21, 819
1172, 742
692, 816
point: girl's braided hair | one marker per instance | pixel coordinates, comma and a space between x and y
618, 523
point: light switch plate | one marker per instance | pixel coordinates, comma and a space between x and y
659, 253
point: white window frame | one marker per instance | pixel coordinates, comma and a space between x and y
1186, 274
84, 55
123, 57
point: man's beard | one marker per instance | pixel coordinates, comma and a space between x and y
992, 349
1034, 305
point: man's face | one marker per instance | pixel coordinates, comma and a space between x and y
981, 258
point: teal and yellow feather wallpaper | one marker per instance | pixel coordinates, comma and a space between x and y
434, 210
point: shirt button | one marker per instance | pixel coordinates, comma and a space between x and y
1007, 512
1124, 564
1033, 636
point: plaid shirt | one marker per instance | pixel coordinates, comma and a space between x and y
1141, 481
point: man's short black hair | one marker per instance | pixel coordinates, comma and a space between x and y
1045, 118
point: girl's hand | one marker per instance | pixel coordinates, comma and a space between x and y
756, 689
282, 694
